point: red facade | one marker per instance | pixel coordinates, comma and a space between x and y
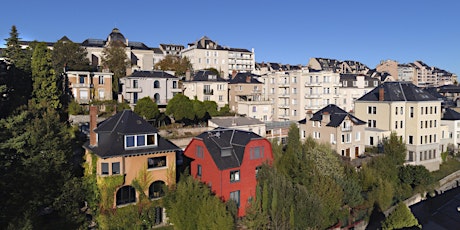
220, 181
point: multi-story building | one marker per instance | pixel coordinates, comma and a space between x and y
321, 89
171, 49
158, 85
227, 160
336, 66
390, 67
354, 86
413, 114
205, 53
88, 86
205, 85
334, 125
118, 150
245, 96
451, 119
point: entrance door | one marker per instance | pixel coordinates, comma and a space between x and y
356, 151
348, 152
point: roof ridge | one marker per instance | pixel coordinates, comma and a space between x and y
119, 119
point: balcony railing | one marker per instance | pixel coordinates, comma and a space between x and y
315, 95
208, 92
347, 129
133, 90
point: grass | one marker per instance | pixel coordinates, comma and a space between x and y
450, 166
168, 227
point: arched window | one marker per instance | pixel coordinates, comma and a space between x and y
156, 189
126, 195
156, 84
156, 98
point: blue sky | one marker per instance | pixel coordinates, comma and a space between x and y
289, 32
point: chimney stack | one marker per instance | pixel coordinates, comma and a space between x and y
248, 79
187, 75
234, 73
326, 117
381, 94
92, 125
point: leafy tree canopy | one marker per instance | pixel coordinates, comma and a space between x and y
180, 107
69, 55
115, 59
400, 218
146, 108
174, 63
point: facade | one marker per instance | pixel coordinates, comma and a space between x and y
245, 96
158, 85
335, 126
227, 160
88, 86
390, 67
242, 123
336, 66
354, 86
451, 119
206, 86
121, 147
205, 53
413, 114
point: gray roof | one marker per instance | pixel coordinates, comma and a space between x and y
337, 115
398, 91
450, 114
151, 74
111, 134
222, 138
206, 75
243, 78
235, 121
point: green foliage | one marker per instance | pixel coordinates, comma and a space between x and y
69, 55
417, 176
75, 108
115, 59
46, 84
174, 63
214, 71
395, 149
107, 187
180, 108
146, 108
211, 108
444, 156
209, 212
400, 218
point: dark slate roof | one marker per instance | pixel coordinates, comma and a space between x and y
93, 42
398, 91
449, 89
337, 115
111, 136
222, 138
206, 75
157, 50
450, 114
151, 74
242, 78
434, 91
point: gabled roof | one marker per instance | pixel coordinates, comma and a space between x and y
450, 114
151, 74
111, 135
223, 138
246, 78
398, 91
207, 75
336, 114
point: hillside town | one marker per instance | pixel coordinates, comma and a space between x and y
159, 133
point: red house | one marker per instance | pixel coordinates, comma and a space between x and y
227, 160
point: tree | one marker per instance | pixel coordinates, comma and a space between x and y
115, 59
211, 108
46, 85
146, 108
400, 218
174, 63
180, 107
395, 149
68, 55
210, 212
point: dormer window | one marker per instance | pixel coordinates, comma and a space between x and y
140, 140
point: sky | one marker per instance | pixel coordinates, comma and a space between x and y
288, 32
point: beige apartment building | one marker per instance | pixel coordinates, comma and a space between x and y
205, 53
413, 114
335, 126
354, 86
206, 86
89, 86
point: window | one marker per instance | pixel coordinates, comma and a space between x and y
411, 156
198, 170
156, 189
199, 152
126, 195
82, 79
402, 111
256, 152
135, 97
235, 196
129, 141
105, 168
254, 109
101, 80
174, 84
83, 94
221, 98
140, 140
358, 136
411, 111
401, 124
101, 94
371, 110
156, 162
235, 176
115, 168
156, 84
411, 140
396, 124
135, 84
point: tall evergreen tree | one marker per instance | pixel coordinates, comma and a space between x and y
115, 59
46, 84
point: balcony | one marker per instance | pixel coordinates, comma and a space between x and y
284, 95
347, 129
133, 90
208, 92
81, 85
312, 107
283, 84
314, 95
284, 106
309, 84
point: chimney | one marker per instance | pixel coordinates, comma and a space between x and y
309, 114
187, 75
326, 117
234, 73
381, 94
92, 125
248, 79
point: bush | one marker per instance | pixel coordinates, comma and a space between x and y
75, 108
